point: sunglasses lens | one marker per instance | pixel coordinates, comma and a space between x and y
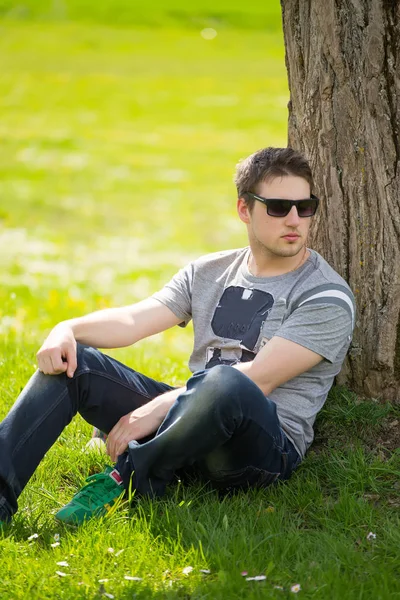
278, 208
307, 208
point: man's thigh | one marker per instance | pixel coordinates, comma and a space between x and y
107, 389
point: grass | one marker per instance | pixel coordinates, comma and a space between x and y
118, 146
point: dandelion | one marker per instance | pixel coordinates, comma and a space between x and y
61, 574
371, 536
187, 570
63, 563
257, 578
130, 578
34, 536
295, 588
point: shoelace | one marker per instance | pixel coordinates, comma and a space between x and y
90, 490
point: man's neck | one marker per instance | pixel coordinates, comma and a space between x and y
263, 265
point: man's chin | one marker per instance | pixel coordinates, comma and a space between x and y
289, 251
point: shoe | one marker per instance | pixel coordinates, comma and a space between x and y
95, 499
98, 441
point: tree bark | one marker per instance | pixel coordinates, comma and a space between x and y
343, 62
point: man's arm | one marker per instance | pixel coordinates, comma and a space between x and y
277, 362
108, 328
119, 327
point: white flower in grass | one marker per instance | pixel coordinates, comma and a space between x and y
34, 536
63, 563
257, 578
208, 33
103, 580
56, 537
130, 578
110, 550
205, 571
371, 536
295, 588
61, 574
55, 544
187, 570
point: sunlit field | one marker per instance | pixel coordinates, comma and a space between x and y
120, 128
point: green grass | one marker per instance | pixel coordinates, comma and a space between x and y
118, 145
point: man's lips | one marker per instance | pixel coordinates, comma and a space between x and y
291, 237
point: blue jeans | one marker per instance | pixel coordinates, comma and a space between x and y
222, 425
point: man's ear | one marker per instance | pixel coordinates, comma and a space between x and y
243, 210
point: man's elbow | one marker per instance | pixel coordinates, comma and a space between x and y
258, 377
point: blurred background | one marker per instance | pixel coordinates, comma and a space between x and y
121, 124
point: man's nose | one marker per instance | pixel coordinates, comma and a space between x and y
293, 219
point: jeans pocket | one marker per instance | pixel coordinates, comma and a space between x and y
243, 478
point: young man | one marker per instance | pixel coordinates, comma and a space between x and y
272, 325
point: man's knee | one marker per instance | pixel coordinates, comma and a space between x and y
220, 384
87, 359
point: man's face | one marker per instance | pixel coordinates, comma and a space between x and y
279, 236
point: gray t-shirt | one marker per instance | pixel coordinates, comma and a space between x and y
235, 313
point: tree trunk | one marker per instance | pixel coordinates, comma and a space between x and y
343, 61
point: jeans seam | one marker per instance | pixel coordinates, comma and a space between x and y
39, 422
111, 378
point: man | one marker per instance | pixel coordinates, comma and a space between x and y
272, 325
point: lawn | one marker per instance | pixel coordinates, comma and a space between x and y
120, 129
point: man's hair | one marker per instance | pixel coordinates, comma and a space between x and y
266, 164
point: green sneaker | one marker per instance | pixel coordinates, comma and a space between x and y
95, 499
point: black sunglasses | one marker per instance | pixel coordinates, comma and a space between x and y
277, 207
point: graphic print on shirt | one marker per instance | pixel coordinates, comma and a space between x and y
239, 315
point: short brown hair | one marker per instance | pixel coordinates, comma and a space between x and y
266, 164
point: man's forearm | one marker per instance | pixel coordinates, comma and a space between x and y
108, 328
118, 327
255, 374
160, 405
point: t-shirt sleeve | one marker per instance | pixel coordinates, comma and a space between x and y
324, 327
177, 294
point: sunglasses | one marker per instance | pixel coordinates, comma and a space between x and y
277, 207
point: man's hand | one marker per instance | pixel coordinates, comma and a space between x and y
58, 352
132, 426
140, 423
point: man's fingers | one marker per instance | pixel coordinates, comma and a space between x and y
116, 444
57, 363
45, 365
123, 445
119, 437
71, 361
111, 440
